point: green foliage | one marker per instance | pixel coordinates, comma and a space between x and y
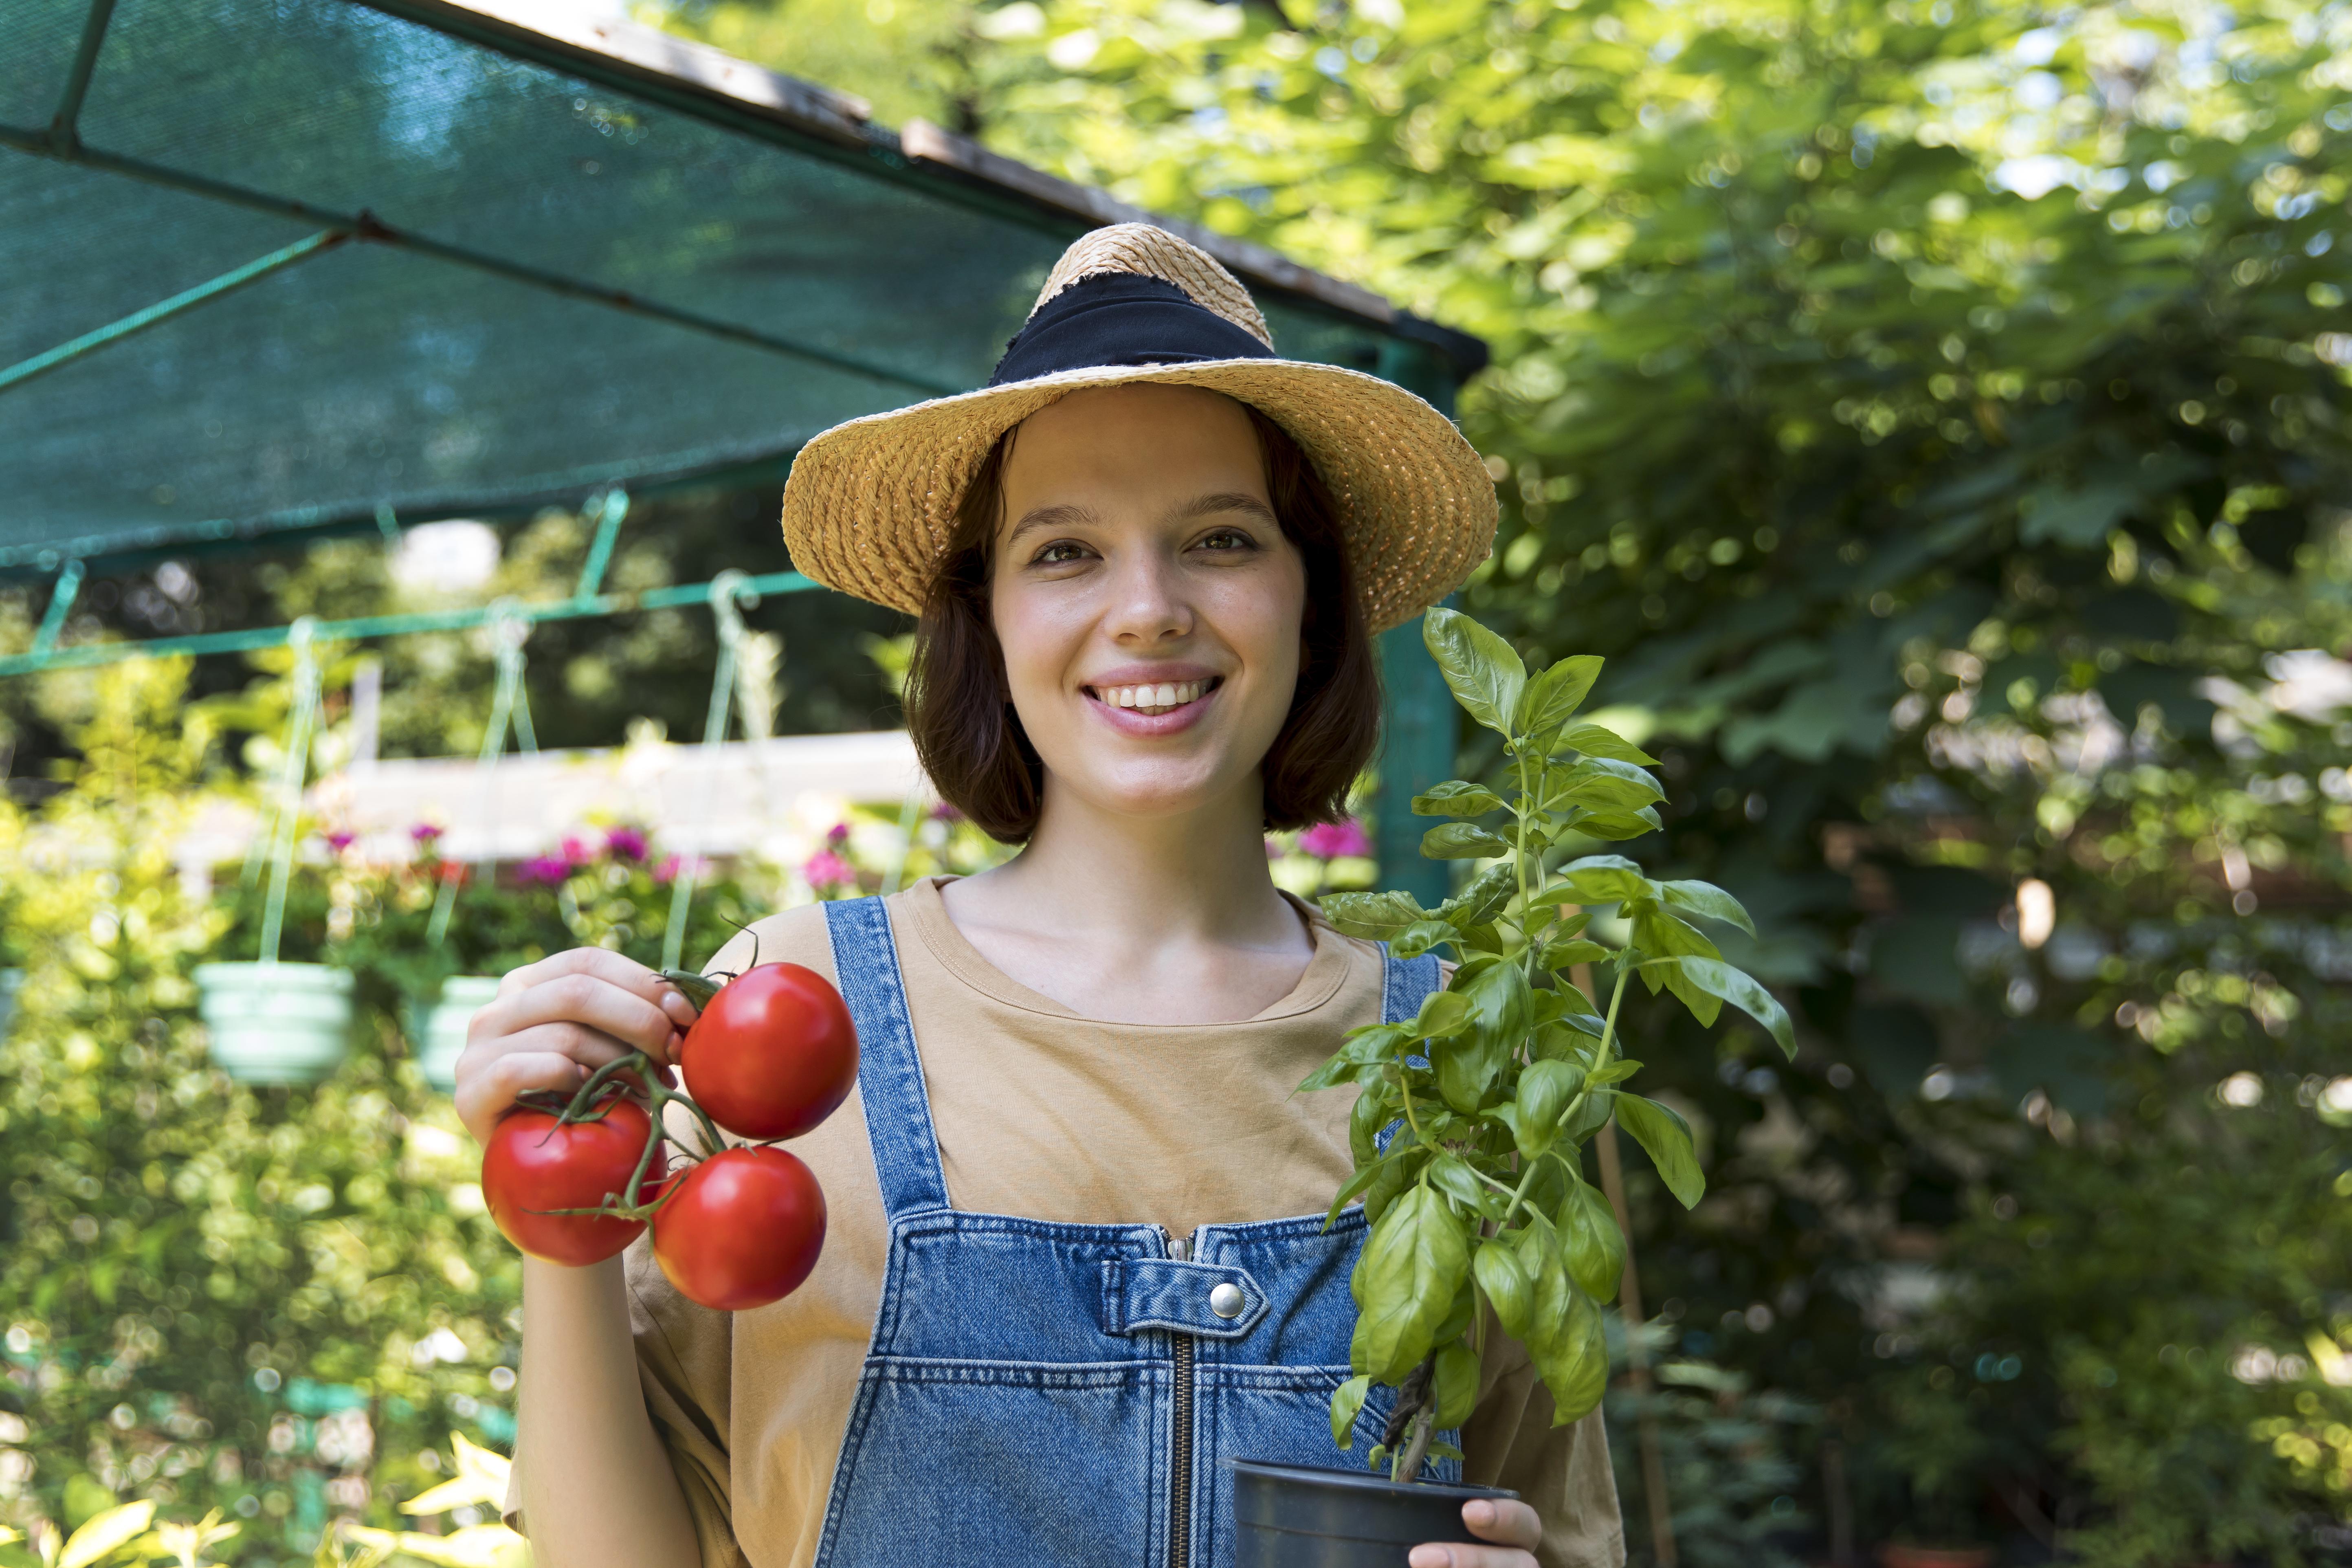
263, 1302
1481, 1103
1729, 1455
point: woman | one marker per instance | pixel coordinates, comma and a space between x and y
1065, 1274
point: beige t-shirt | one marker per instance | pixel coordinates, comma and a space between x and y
1043, 1113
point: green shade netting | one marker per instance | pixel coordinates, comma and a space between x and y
373, 375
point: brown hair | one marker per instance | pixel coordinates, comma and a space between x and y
959, 709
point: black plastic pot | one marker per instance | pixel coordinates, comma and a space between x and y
1302, 1516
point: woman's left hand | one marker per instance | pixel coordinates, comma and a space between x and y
1512, 1525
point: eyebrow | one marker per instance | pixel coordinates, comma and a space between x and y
1052, 517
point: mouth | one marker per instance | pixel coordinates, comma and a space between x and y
1153, 702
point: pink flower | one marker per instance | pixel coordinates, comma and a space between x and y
1332, 840
425, 833
943, 812
548, 870
827, 869
576, 851
672, 865
628, 843
340, 841
836, 836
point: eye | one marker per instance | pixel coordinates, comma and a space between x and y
1227, 539
1060, 552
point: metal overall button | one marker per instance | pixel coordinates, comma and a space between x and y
1227, 1300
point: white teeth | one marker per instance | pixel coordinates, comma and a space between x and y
1154, 699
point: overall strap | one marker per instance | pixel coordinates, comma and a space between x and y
1405, 984
889, 1068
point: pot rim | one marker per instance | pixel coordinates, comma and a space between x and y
1365, 1480
302, 977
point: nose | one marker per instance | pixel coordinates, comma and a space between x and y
1147, 601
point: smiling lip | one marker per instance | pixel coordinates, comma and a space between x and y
1149, 700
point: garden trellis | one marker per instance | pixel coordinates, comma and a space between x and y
386, 261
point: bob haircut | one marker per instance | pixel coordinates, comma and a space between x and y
959, 709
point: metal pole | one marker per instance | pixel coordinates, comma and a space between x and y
1419, 722
62, 129
610, 511
366, 225
252, 271
61, 600
366, 627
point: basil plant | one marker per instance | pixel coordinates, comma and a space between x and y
1471, 1119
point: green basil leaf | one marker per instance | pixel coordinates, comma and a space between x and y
1664, 935
1358, 1183
1706, 898
1454, 1382
1396, 1174
1413, 1263
1420, 936
1374, 917
1597, 1107
1347, 1402
1486, 675
1457, 797
1573, 1359
1599, 785
1546, 1090
1450, 1175
1595, 1248
1443, 1013
1551, 698
1616, 828
1505, 1279
1593, 740
1483, 899
1569, 953
1704, 1005
1617, 1071
1458, 1316
1719, 979
1604, 879
1371, 1043
1374, 1108
1666, 1137
1500, 1004
1559, 894
1461, 841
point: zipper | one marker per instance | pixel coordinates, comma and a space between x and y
1180, 1481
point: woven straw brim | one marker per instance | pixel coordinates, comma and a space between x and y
870, 505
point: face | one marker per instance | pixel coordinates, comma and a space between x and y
1147, 602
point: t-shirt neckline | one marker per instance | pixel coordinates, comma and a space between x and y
927, 913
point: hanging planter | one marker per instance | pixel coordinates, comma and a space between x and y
273, 1023
436, 1027
276, 1023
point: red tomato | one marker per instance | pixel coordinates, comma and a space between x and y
743, 1230
532, 1165
773, 1055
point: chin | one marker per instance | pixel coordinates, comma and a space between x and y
1155, 791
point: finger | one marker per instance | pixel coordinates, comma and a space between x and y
579, 999
590, 1048
1504, 1519
1435, 1556
609, 966
485, 1089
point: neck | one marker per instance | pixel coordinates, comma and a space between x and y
1148, 882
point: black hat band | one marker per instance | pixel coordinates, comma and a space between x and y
1120, 319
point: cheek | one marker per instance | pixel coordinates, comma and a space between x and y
1036, 647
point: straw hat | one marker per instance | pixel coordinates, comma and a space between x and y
870, 505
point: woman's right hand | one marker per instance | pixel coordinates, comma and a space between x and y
556, 1021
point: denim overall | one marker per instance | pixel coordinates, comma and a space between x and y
1040, 1392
